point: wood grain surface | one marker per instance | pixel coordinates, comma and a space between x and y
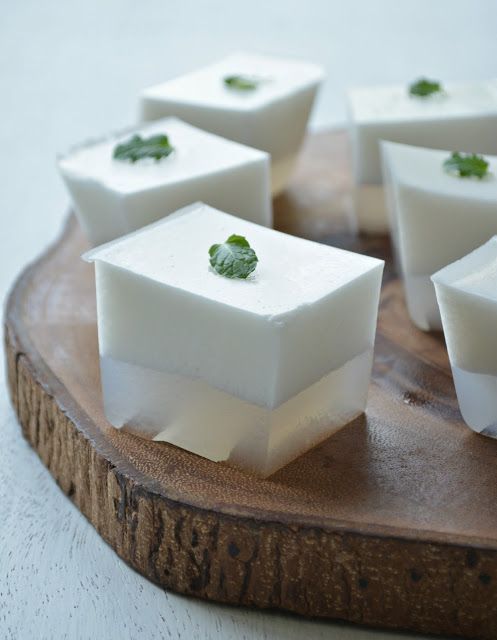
391, 522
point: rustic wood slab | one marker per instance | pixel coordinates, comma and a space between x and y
391, 522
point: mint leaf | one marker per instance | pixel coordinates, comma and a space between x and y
466, 165
235, 258
242, 83
138, 148
424, 87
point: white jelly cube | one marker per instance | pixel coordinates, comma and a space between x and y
113, 197
436, 218
272, 117
462, 118
467, 294
252, 371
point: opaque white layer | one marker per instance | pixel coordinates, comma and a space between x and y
464, 118
272, 117
113, 197
307, 311
436, 218
467, 294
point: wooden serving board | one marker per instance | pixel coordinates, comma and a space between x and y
391, 522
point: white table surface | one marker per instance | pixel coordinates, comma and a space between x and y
71, 70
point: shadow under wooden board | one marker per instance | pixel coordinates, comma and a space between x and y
391, 522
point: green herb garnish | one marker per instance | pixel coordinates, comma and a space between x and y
235, 258
242, 83
424, 87
138, 148
466, 165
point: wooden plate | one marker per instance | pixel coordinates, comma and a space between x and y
391, 522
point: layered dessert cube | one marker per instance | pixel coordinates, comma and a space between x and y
260, 101
113, 196
250, 371
460, 117
436, 218
467, 294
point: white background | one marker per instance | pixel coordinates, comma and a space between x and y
71, 70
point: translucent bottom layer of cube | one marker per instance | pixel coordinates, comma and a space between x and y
422, 302
370, 209
281, 172
191, 414
477, 396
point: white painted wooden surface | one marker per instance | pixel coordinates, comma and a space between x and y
70, 70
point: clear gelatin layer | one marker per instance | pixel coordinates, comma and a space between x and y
192, 414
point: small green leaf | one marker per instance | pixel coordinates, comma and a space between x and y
234, 258
423, 88
138, 148
242, 83
466, 165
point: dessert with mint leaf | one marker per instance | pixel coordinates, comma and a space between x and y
245, 97
252, 371
235, 258
430, 114
438, 217
123, 182
466, 165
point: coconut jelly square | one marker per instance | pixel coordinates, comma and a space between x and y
113, 197
436, 218
267, 109
253, 372
460, 118
467, 294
